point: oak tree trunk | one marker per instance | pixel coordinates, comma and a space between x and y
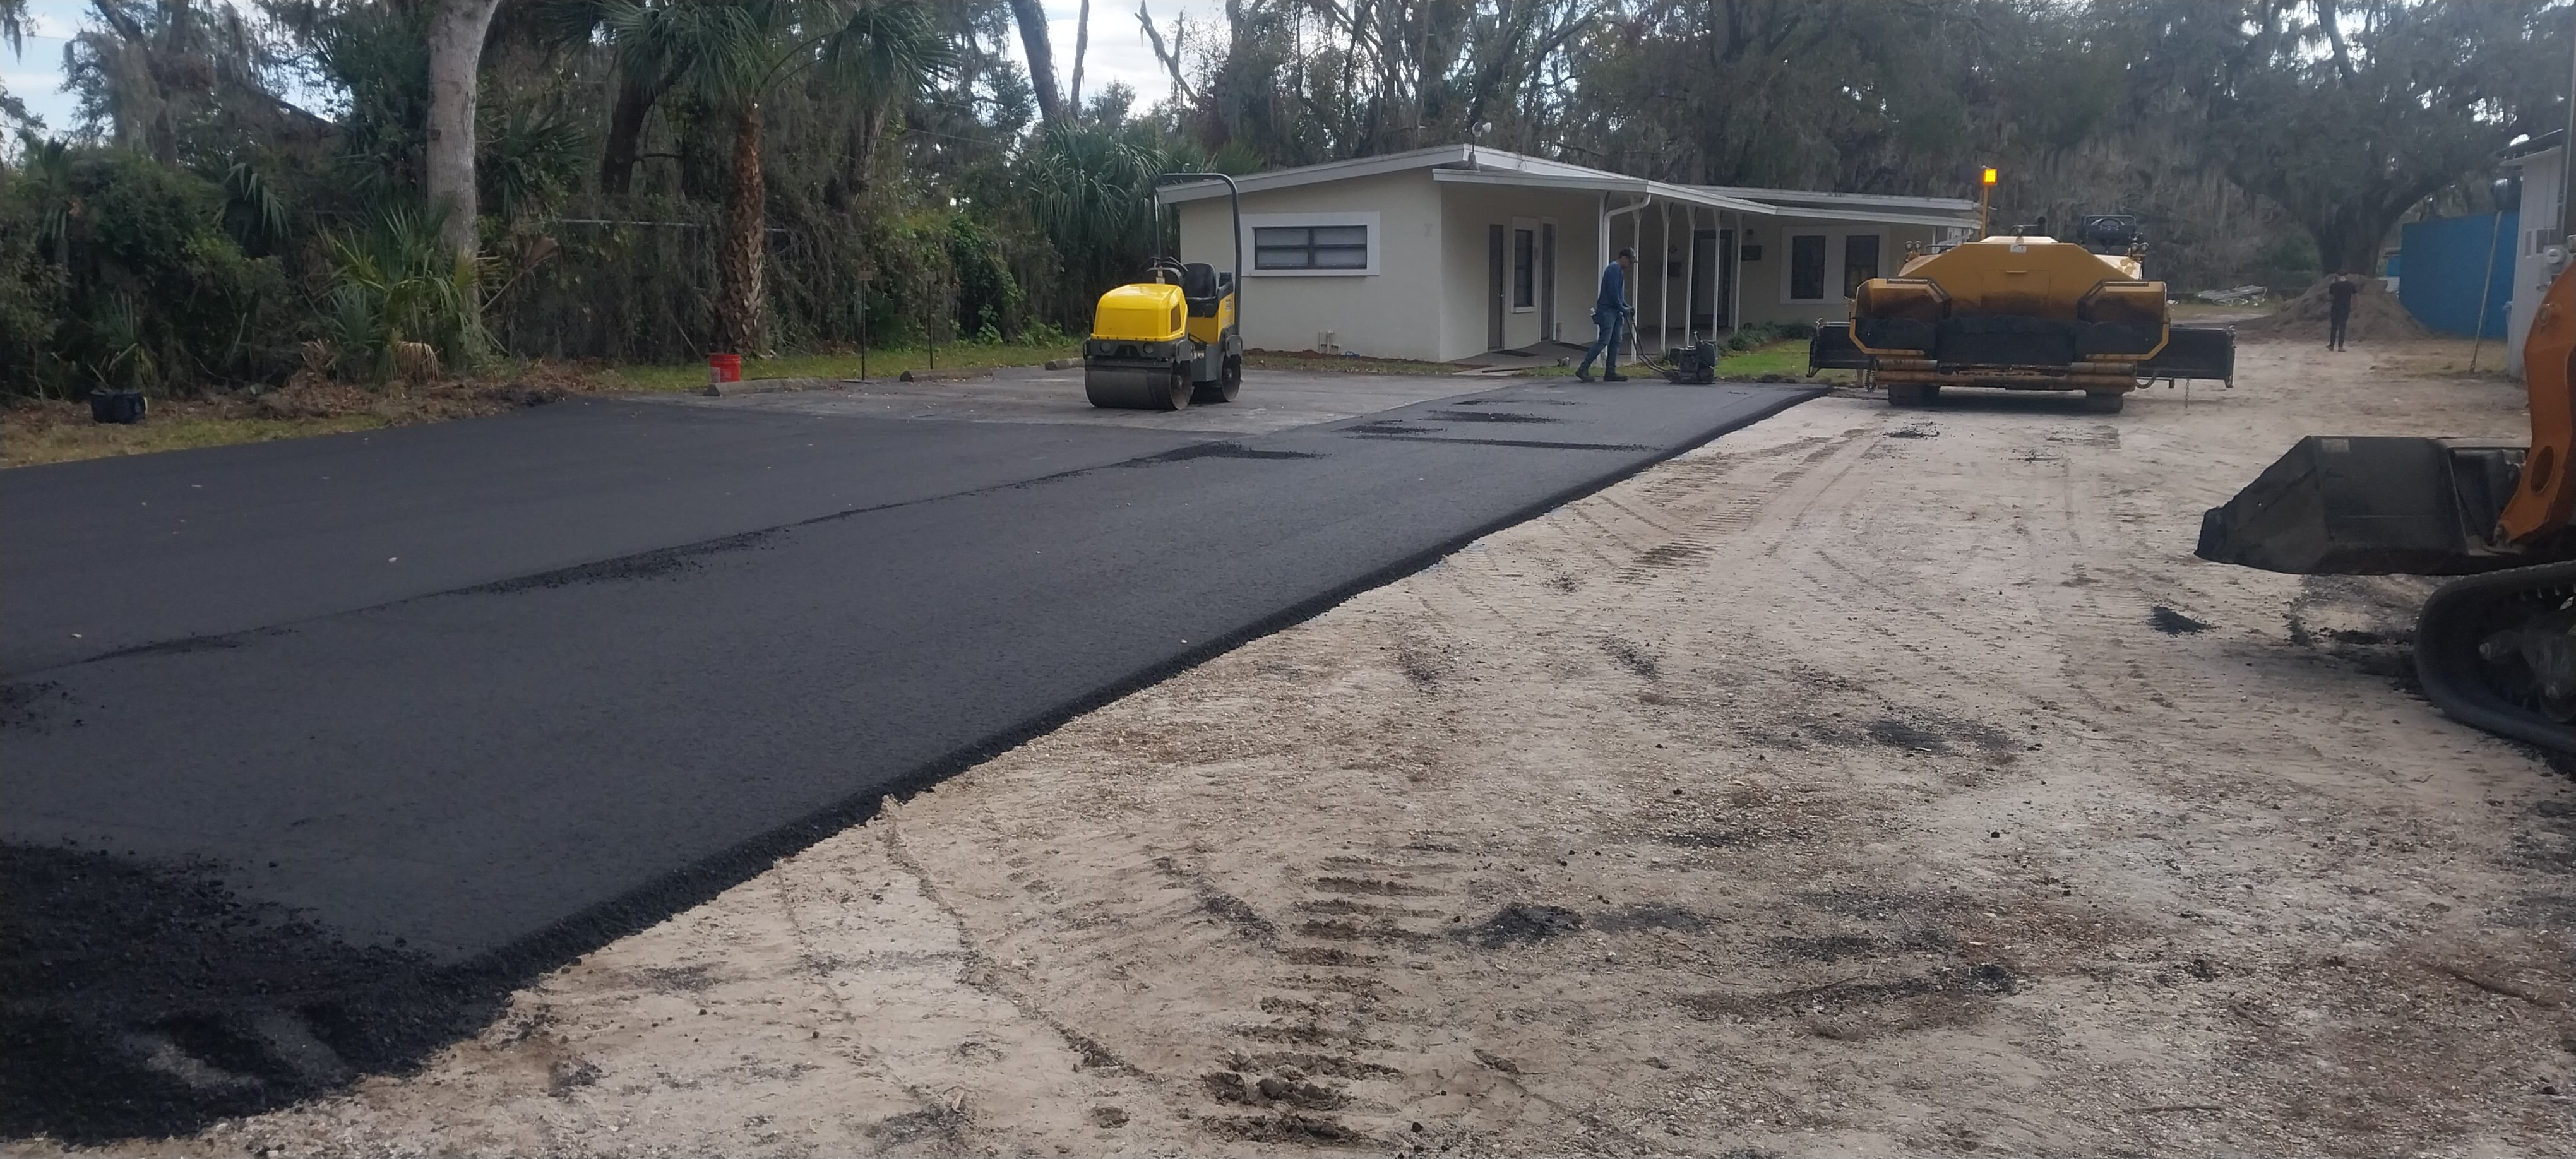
1081, 45
456, 29
739, 298
1033, 36
625, 134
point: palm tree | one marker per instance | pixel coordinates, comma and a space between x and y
733, 55
1090, 189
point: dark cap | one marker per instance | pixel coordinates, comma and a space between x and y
1626, 252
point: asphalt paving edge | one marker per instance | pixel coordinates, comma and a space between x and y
649, 904
406, 1007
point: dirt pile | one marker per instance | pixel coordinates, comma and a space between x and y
2377, 316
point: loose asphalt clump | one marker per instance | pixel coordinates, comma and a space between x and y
1920, 730
2173, 623
1522, 924
1632, 656
1221, 450
148, 1000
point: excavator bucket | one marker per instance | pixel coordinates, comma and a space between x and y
2369, 506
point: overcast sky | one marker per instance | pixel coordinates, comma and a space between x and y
36, 74
1118, 50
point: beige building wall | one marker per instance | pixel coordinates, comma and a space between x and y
1766, 281
1393, 312
1470, 213
1430, 293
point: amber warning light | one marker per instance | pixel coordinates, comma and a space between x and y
1988, 178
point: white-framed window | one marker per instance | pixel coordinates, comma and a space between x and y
1524, 272
1311, 245
1802, 277
1862, 255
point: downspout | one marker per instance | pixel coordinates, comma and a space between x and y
1605, 256
1690, 269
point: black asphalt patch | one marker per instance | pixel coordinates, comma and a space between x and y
2173, 623
640, 656
1489, 416
116, 553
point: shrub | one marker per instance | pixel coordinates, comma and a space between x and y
144, 284
392, 284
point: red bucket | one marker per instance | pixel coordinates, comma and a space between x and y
724, 368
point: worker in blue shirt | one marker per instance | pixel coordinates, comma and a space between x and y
1609, 312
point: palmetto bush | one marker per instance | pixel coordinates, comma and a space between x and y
392, 283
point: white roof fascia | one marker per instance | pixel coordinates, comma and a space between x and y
1821, 198
1602, 183
1502, 167
1497, 159
1877, 217
1329, 171
2526, 159
1478, 159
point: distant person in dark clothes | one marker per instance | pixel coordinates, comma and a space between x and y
1610, 312
2339, 307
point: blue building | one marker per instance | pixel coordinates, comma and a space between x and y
2445, 260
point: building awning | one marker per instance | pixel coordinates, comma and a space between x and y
1477, 165
1602, 183
1875, 217
1790, 200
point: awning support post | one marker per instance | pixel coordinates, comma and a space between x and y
1735, 279
1690, 269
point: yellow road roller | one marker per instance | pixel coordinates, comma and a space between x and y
1173, 339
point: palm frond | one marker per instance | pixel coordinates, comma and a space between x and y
888, 51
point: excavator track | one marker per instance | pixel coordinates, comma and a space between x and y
2498, 652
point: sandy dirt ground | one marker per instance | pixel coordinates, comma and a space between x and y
1866, 782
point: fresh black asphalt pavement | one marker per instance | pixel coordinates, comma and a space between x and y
498, 690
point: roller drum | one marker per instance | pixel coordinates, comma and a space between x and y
1135, 385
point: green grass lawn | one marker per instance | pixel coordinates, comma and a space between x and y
33, 436
881, 364
1787, 356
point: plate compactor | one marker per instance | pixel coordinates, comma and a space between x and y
1173, 339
